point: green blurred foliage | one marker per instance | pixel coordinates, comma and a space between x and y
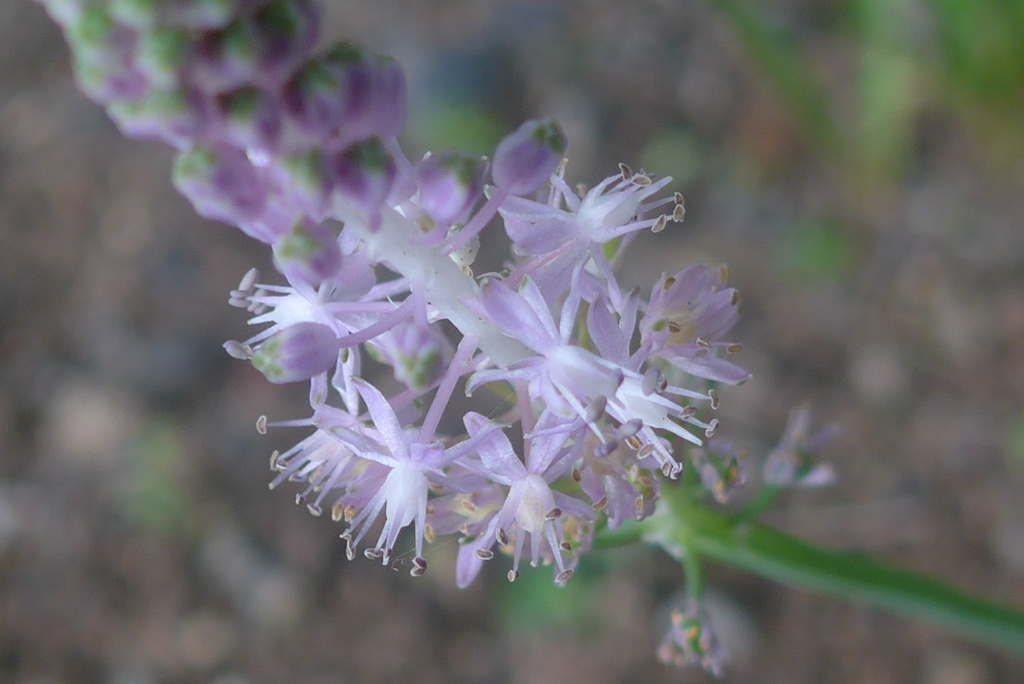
816, 252
155, 491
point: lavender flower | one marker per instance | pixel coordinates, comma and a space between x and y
790, 463
300, 152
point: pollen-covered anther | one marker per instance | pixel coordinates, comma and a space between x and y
484, 554
468, 506
600, 505
634, 443
513, 575
734, 348
638, 503
666, 470
261, 425
679, 210
419, 566
564, 576
553, 514
645, 451
713, 396
429, 534
669, 282
436, 488
660, 224
502, 536
350, 512
337, 512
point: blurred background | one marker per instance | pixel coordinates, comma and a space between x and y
857, 163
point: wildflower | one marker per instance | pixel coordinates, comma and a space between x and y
691, 640
790, 463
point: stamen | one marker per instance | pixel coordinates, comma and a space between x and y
419, 566
634, 443
625, 171
513, 575
428, 533
501, 536
484, 554
314, 510
734, 349
713, 395
261, 425
600, 505
564, 577
576, 474
273, 459
337, 512
660, 224
669, 282
553, 514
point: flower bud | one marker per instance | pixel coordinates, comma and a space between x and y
363, 175
173, 116
224, 185
418, 354
162, 54
346, 96
526, 158
103, 52
308, 252
308, 179
449, 184
297, 353
251, 120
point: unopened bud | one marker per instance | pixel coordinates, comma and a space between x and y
297, 353
308, 252
449, 184
526, 158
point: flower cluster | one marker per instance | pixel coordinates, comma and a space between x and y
299, 150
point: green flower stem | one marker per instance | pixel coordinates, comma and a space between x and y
687, 527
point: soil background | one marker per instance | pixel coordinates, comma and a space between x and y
877, 243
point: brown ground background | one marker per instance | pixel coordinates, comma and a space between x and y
882, 283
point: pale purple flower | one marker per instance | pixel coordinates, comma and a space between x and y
691, 640
523, 160
531, 508
686, 318
791, 464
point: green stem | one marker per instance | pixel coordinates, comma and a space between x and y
694, 529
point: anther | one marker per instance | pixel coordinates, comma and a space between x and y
625, 171
669, 282
703, 343
501, 536
419, 566
350, 551
300, 499
248, 280
513, 575
484, 554
337, 512
468, 506
261, 425
576, 474
713, 396
734, 349
565, 546
662, 221
273, 459
314, 510
688, 412
553, 514
712, 426
428, 533
373, 554
735, 298
601, 505
350, 512
564, 577
645, 451
630, 428
678, 213
634, 443
723, 273
651, 378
